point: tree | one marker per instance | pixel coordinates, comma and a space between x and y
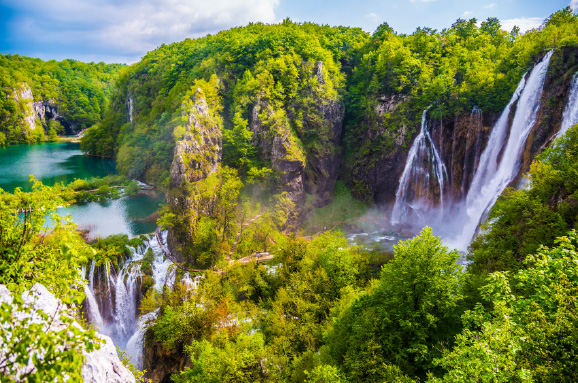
528, 333
413, 311
30, 254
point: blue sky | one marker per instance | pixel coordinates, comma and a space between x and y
124, 30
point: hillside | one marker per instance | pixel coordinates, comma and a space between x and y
40, 99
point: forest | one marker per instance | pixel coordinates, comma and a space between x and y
241, 131
79, 91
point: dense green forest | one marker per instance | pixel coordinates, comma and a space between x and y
272, 65
79, 92
320, 310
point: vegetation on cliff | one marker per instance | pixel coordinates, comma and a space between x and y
79, 92
319, 311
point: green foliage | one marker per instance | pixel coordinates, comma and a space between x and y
260, 70
78, 90
343, 208
36, 351
412, 311
529, 332
524, 219
241, 359
30, 254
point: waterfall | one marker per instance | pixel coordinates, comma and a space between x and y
135, 344
93, 310
423, 162
126, 287
115, 313
570, 115
491, 177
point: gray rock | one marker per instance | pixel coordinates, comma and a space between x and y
101, 366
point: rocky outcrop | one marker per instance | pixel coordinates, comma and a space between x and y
23, 96
39, 111
100, 366
197, 155
279, 146
160, 363
308, 158
199, 152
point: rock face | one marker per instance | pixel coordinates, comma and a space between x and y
39, 111
197, 155
199, 152
308, 158
160, 363
101, 366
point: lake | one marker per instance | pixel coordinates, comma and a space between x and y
63, 162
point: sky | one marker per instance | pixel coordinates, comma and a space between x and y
122, 31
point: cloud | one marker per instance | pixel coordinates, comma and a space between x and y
467, 13
372, 16
493, 5
127, 28
574, 4
525, 23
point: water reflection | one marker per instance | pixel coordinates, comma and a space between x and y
128, 215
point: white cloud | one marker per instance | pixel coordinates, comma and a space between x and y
467, 13
372, 16
525, 23
493, 5
129, 28
574, 4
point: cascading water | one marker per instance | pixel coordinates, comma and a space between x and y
116, 312
570, 115
424, 171
491, 177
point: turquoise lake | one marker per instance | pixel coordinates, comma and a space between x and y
63, 162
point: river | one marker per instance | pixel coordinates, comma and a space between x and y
63, 162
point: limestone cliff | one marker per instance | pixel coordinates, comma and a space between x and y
197, 155
38, 114
306, 154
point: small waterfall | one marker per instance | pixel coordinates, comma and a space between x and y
135, 344
424, 175
93, 310
491, 177
570, 115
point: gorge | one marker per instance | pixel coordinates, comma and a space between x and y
446, 156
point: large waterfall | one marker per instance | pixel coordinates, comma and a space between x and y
112, 306
422, 180
500, 161
420, 194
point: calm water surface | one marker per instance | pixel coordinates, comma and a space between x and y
63, 162
49, 162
